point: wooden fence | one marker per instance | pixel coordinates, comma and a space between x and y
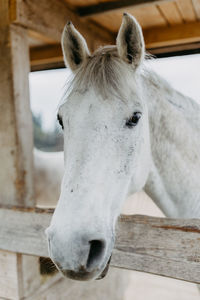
167, 247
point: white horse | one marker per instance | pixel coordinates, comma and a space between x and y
125, 129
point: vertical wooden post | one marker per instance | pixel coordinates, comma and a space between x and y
16, 143
19, 274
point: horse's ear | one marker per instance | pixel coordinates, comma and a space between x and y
74, 47
130, 41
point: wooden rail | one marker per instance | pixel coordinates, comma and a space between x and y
166, 247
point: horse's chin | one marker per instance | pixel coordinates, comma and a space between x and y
83, 275
80, 275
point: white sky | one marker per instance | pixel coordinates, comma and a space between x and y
46, 87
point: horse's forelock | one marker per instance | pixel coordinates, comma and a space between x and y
104, 71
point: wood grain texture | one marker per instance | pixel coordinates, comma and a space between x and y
170, 12
187, 10
196, 5
29, 274
49, 18
16, 177
168, 50
8, 275
177, 34
161, 246
110, 6
19, 275
167, 247
148, 16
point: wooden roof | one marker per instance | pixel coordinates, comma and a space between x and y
154, 13
167, 25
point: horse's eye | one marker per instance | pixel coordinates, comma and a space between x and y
133, 120
60, 121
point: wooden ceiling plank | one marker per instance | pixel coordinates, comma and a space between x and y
196, 5
107, 20
187, 10
49, 17
171, 13
154, 18
178, 34
108, 6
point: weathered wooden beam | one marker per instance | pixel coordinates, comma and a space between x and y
173, 35
17, 272
46, 57
48, 18
50, 56
175, 49
19, 275
16, 151
46, 54
166, 247
109, 6
157, 40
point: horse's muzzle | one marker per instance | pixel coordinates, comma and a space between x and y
83, 275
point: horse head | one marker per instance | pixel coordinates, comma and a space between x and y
106, 148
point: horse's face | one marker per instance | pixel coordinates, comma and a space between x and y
106, 146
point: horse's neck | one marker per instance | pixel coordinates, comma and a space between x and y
174, 180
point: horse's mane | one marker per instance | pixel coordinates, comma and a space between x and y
186, 105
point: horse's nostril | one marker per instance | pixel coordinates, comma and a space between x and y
96, 251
